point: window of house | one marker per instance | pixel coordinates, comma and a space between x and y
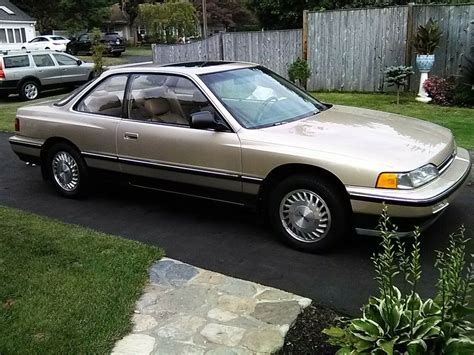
3, 36
23, 34
11, 39
107, 98
17, 36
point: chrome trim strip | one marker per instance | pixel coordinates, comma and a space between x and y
177, 167
446, 163
186, 194
100, 156
25, 144
252, 179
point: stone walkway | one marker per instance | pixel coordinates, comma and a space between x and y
187, 310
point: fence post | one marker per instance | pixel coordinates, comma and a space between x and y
221, 46
305, 34
408, 40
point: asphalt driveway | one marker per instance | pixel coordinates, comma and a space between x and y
221, 237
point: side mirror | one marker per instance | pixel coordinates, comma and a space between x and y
206, 120
79, 62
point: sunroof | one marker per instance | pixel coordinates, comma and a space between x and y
200, 64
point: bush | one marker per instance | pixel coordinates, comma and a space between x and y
399, 322
97, 51
299, 72
397, 76
464, 92
441, 90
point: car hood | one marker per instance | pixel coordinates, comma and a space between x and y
384, 139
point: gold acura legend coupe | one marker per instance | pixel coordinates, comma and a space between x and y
239, 133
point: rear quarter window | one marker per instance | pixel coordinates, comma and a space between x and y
17, 61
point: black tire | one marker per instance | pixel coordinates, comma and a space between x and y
4, 95
117, 54
29, 90
332, 205
76, 176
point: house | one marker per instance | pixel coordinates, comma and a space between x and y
16, 26
118, 22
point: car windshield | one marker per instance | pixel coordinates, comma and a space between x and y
258, 98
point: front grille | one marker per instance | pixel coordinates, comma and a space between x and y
446, 163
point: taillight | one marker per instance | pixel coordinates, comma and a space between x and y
57, 44
17, 124
2, 73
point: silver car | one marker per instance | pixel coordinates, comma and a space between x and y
239, 133
27, 74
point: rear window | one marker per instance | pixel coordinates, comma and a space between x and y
111, 37
17, 61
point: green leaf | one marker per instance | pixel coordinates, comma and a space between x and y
364, 345
430, 307
368, 326
334, 332
414, 302
391, 316
424, 326
344, 351
372, 312
416, 347
461, 311
461, 346
387, 345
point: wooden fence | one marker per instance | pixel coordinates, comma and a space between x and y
273, 49
347, 50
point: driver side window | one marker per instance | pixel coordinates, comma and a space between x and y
165, 99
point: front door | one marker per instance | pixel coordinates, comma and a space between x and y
71, 72
156, 139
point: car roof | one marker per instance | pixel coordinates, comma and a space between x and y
20, 52
196, 68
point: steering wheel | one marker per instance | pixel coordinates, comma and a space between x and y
263, 107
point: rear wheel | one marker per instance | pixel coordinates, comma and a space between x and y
67, 170
308, 213
29, 90
117, 54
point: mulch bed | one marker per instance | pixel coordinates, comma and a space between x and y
305, 336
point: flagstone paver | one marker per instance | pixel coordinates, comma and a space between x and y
187, 310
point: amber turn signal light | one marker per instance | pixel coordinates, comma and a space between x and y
387, 181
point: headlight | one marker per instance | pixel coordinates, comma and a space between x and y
410, 180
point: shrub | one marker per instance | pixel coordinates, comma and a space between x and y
427, 37
97, 51
299, 72
399, 322
464, 92
441, 90
397, 76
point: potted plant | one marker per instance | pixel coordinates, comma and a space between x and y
427, 39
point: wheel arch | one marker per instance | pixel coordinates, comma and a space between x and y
282, 172
45, 148
29, 78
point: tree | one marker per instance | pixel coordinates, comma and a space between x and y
47, 14
168, 21
132, 8
230, 14
397, 76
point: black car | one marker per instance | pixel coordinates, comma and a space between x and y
114, 44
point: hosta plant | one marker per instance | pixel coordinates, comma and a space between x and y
399, 321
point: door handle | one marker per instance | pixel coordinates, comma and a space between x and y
130, 135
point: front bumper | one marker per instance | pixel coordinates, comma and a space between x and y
422, 204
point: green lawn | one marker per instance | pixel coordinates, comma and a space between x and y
65, 289
459, 120
143, 51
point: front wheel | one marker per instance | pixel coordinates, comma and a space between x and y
117, 54
29, 90
67, 170
309, 213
